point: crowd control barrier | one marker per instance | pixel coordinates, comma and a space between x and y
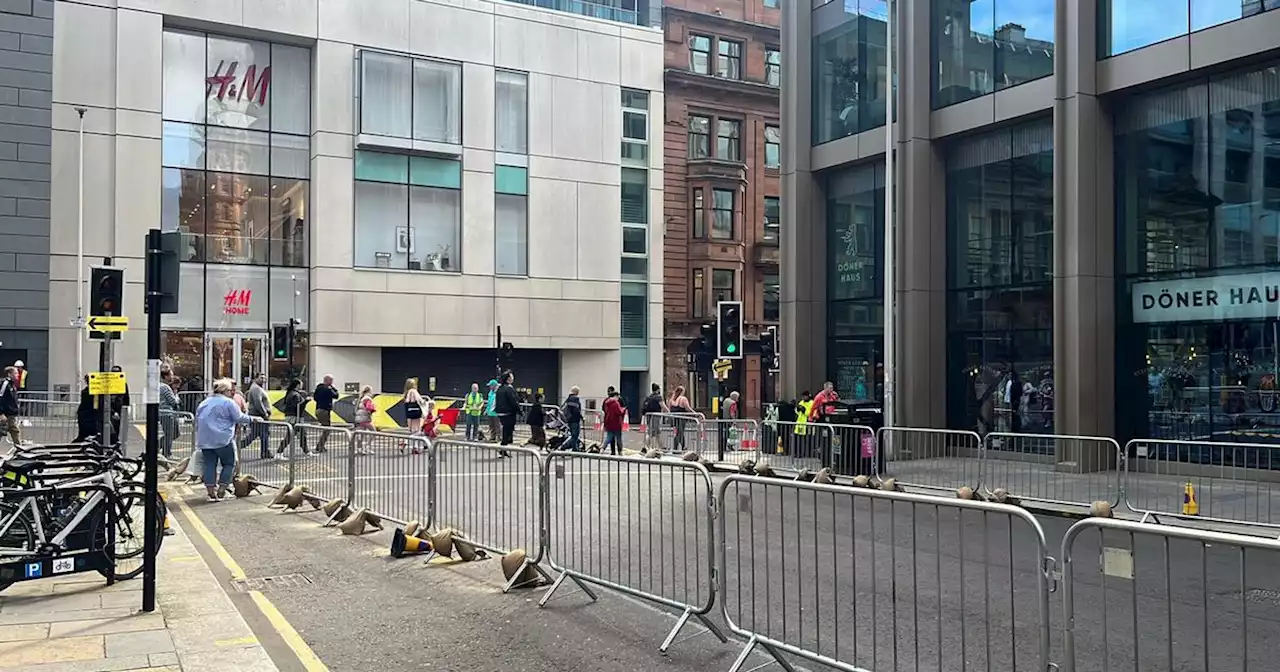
1137, 596
493, 495
1229, 482
931, 459
847, 450
1058, 469
861, 579
638, 526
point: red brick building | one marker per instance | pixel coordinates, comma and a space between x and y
722, 156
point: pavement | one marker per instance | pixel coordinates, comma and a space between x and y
77, 623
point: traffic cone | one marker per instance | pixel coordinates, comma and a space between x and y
403, 544
778, 448
626, 421
1190, 504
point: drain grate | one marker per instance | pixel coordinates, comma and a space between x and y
267, 583
1263, 595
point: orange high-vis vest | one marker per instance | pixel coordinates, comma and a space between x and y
22, 379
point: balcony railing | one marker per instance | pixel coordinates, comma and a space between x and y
584, 8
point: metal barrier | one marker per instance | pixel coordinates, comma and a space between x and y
1053, 468
324, 462
848, 450
730, 441
861, 579
492, 495
265, 451
1233, 482
1143, 611
391, 475
177, 434
932, 459
673, 432
41, 421
634, 525
592, 425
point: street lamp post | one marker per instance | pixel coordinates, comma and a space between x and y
79, 321
890, 267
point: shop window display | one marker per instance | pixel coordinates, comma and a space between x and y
1198, 239
855, 287
1000, 292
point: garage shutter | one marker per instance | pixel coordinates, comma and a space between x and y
456, 368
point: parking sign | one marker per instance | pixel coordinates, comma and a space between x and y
34, 570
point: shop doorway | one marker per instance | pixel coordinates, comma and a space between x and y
235, 356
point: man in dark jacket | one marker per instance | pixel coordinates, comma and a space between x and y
9, 403
613, 415
572, 413
506, 404
324, 397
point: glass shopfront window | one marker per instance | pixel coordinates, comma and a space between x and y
981, 46
1198, 240
236, 157
1125, 25
848, 68
1000, 281
855, 287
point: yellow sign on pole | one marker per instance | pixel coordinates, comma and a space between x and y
722, 365
111, 323
106, 382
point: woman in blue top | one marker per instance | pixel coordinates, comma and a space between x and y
216, 420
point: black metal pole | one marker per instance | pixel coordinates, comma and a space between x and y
151, 539
291, 335
497, 353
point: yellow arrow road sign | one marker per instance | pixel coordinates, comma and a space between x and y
110, 323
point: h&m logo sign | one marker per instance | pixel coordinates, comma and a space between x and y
222, 85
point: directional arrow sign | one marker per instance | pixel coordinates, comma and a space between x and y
111, 323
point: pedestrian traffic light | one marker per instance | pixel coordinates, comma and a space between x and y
729, 330
769, 349
106, 291
280, 341
506, 354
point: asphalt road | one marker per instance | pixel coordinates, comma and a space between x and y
887, 585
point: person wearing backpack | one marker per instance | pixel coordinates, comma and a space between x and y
295, 401
653, 404
571, 412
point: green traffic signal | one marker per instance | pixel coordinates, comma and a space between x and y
732, 348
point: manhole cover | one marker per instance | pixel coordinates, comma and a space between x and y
1265, 595
267, 583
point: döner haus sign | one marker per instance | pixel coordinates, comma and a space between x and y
1224, 297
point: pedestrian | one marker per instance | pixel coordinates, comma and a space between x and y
294, 403
652, 406
87, 415
324, 396
680, 405
613, 413
168, 411
430, 423
259, 407
9, 404
819, 408
472, 407
507, 407
802, 446
727, 430
216, 420
571, 412
22, 374
491, 411
536, 419
413, 407
365, 409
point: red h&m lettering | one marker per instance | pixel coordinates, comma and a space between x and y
254, 85
236, 302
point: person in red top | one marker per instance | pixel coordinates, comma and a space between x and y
613, 413
819, 406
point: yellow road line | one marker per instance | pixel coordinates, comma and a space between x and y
305, 655
212, 541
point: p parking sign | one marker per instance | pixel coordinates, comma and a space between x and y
34, 570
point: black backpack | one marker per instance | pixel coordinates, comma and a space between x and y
652, 404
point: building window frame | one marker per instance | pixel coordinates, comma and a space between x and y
728, 58
699, 215
511, 136
772, 146
772, 221
729, 139
451, 137
771, 297
413, 176
635, 145
773, 66
698, 286
700, 49
512, 192
722, 215
722, 290
699, 141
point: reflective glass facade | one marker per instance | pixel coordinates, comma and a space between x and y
855, 284
982, 46
848, 68
1198, 240
1000, 281
1125, 25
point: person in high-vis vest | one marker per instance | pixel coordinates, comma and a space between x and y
472, 408
801, 447
22, 374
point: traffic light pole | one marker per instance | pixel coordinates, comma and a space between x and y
151, 540
104, 364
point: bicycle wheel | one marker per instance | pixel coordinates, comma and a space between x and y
19, 537
130, 530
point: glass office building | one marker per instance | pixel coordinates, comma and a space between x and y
1106, 266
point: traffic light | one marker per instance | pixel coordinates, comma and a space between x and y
506, 355
165, 262
729, 330
280, 341
708, 339
106, 291
769, 349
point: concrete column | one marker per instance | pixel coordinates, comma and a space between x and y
1084, 251
804, 268
920, 201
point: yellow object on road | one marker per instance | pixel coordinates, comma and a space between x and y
1190, 504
